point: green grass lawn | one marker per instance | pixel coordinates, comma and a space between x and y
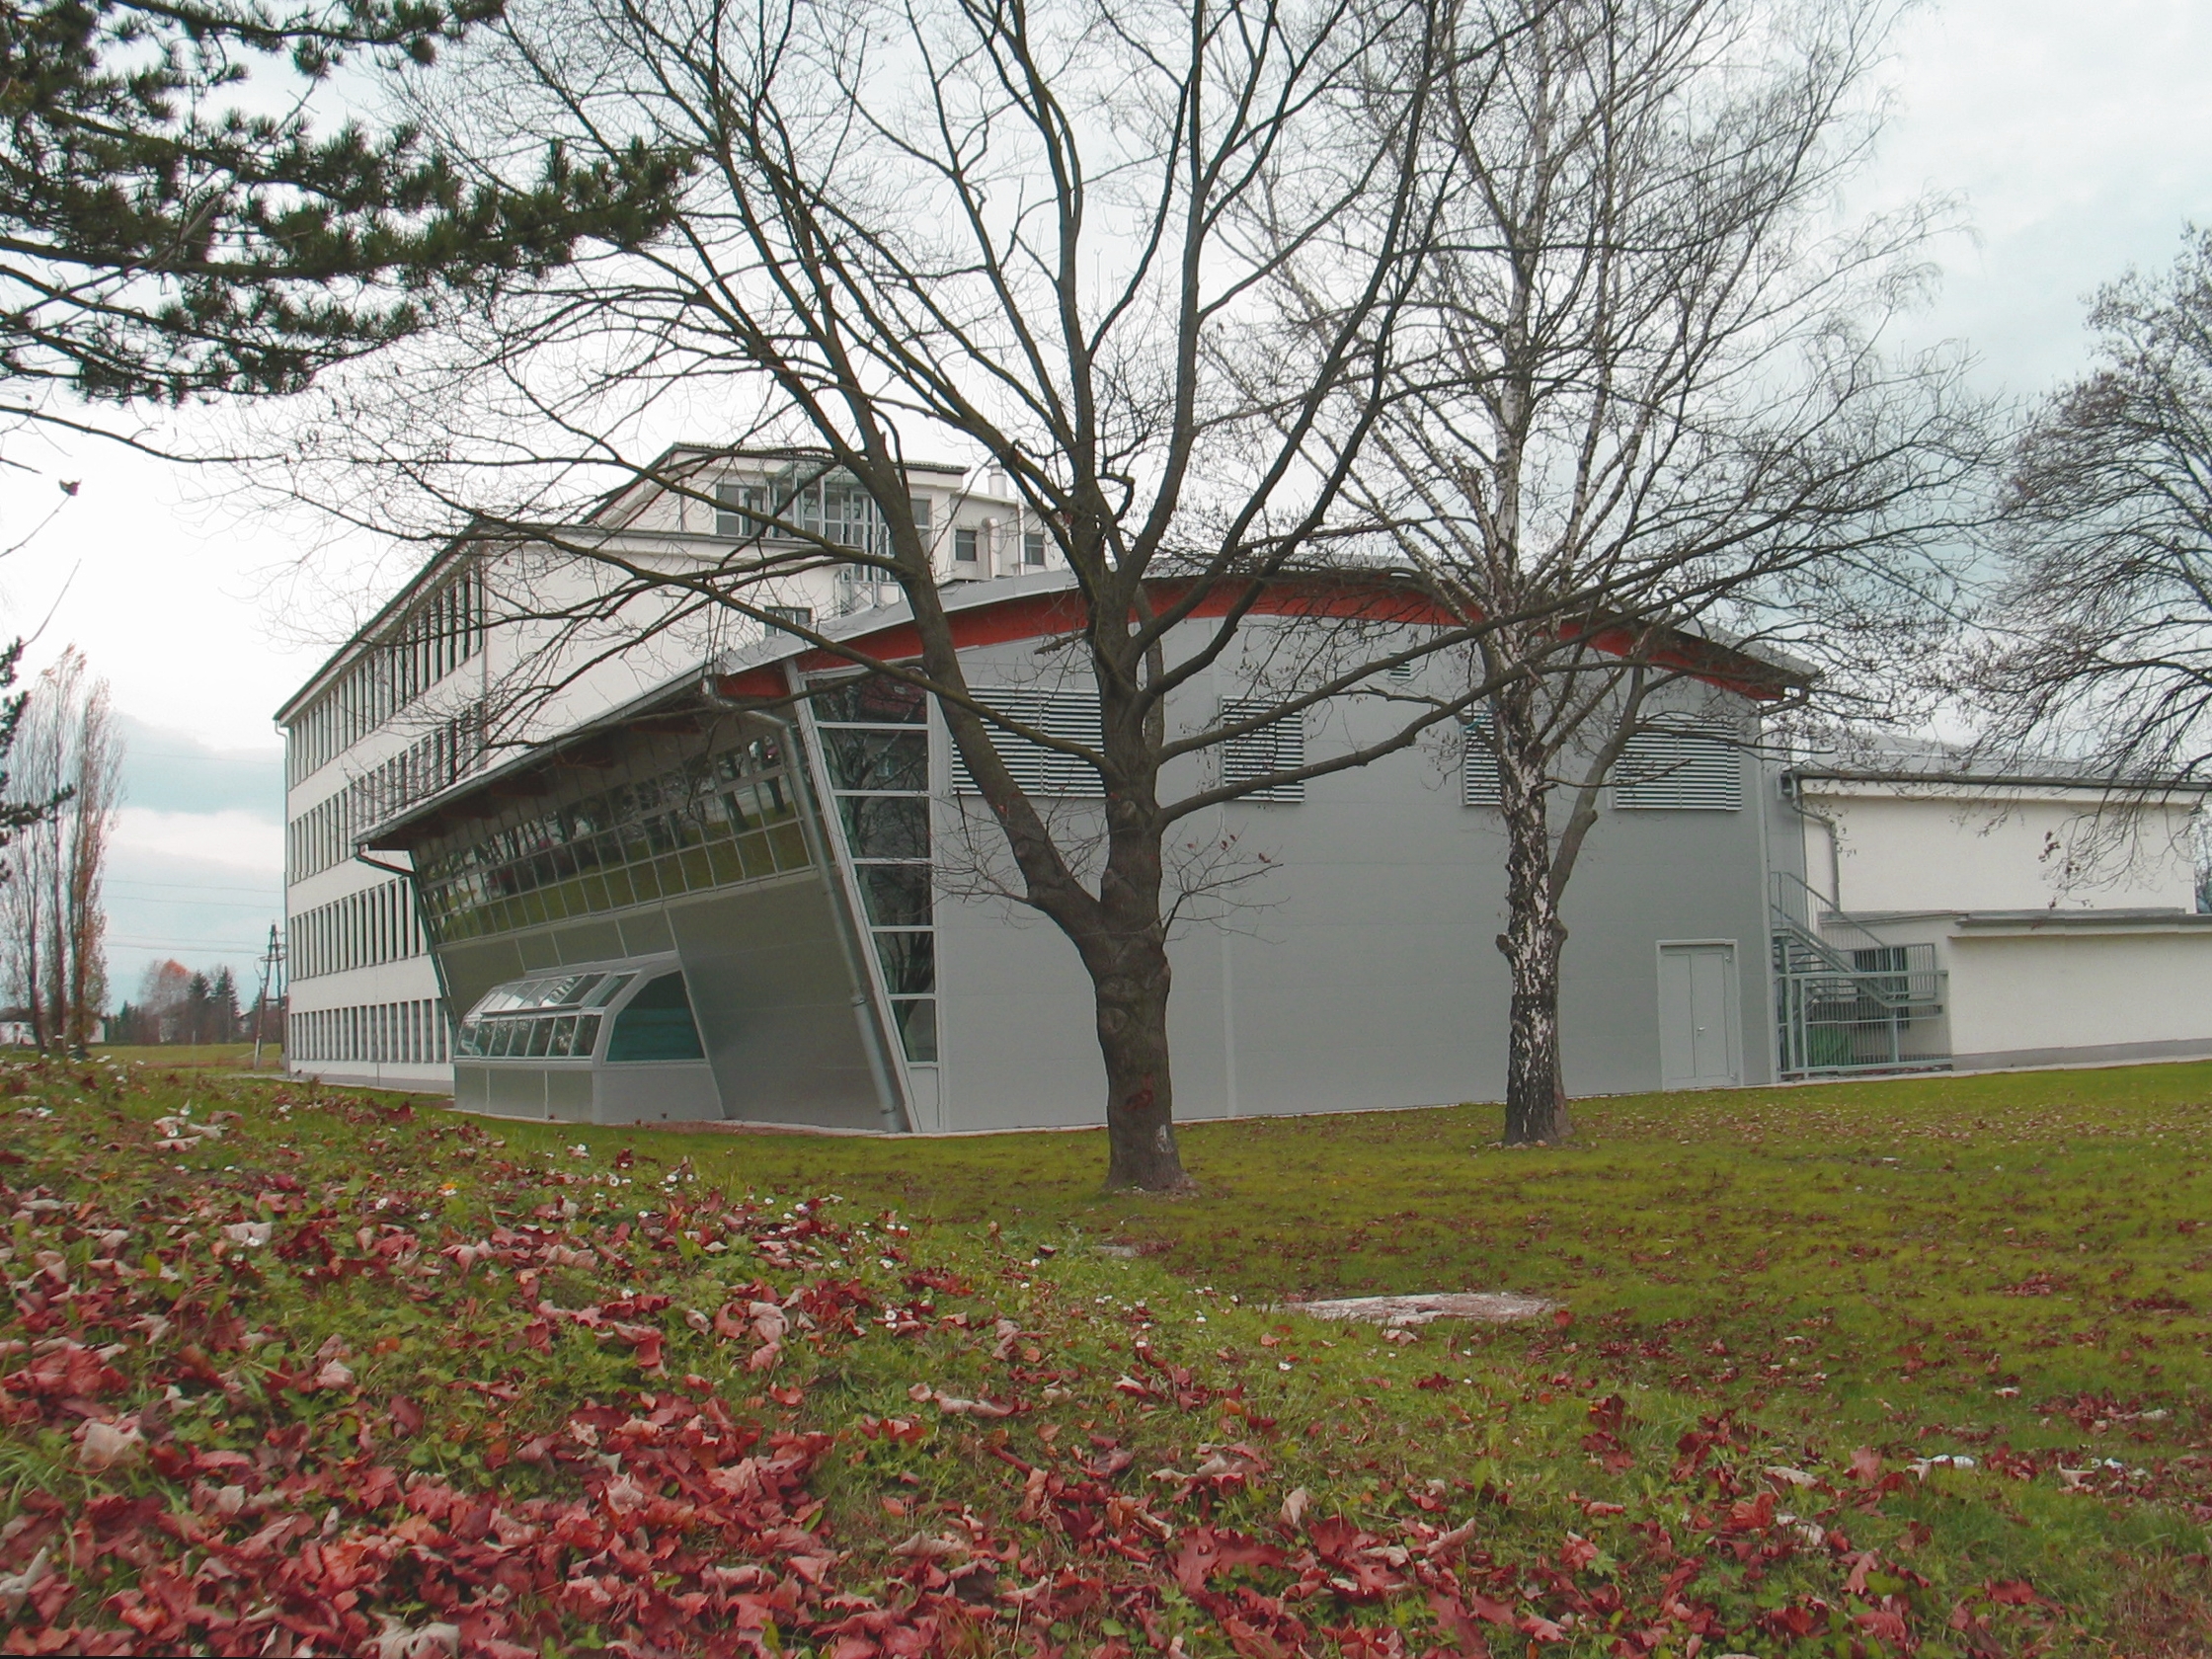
354, 1368
196, 1055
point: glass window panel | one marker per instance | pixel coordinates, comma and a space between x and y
886, 826
541, 1034
917, 1027
759, 859
600, 995
656, 1025
562, 1044
587, 1035
909, 963
722, 859
869, 700
789, 843
897, 761
469, 1032
895, 895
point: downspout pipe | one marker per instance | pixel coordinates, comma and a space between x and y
1793, 795
437, 963
890, 1097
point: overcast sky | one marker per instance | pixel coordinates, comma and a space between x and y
2079, 137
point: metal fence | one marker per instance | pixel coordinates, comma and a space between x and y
1846, 999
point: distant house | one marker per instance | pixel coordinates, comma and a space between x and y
1929, 912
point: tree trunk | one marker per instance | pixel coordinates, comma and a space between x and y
1534, 938
1131, 983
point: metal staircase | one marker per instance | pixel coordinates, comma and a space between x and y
1859, 1004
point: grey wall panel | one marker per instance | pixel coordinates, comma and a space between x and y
649, 1093
515, 1092
1362, 971
538, 949
644, 931
773, 1001
588, 942
568, 1093
1015, 1030
473, 967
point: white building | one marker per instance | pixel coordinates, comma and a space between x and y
436, 686
1931, 912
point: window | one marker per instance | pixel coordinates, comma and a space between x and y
919, 506
1033, 548
656, 1025
440, 633
737, 510
324, 834
963, 547
553, 1017
875, 746
1279, 746
1689, 769
705, 822
803, 615
378, 1034
1068, 715
1478, 771
376, 925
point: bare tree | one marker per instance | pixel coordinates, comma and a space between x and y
1652, 401
1053, 235
67, 754
2098, 639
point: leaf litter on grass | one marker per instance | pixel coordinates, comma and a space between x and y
354, 1376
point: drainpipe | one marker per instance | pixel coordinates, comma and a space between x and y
453, 1020
1827, 823
889, 1098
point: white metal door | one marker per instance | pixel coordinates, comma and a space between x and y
1697, 1047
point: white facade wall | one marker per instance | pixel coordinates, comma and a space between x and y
1907, 846
368, 1007
2067, 929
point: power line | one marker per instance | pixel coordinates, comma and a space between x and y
210, 904
182, 944
194, 887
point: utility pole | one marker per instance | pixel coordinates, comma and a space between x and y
272, 974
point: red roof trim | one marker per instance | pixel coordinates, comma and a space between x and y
1040, 615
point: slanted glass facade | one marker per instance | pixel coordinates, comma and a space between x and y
701, 822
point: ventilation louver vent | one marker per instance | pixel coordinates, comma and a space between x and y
1479, 772
1686, 770
1275, 747
1068, 715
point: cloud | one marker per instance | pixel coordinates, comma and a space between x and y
235, 842
172, 772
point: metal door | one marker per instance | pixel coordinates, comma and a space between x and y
1697, 1037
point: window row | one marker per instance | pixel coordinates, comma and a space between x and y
363, 929
805, 501
372, 1034
723, 819
430, 643
325, 834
